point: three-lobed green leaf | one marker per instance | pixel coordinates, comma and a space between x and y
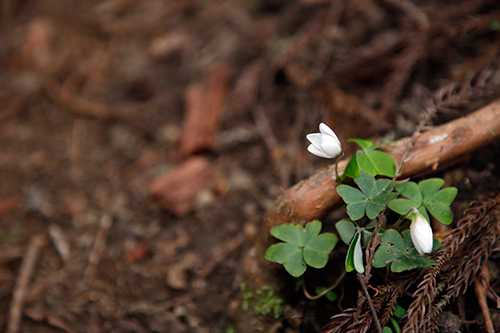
371, 198
301, 247
426, 196
399, 252
346, 229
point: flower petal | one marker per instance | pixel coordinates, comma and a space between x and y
325, 129
330, 146
421, 234
316, 151
315, 139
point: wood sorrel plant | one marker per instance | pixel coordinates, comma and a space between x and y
376, 188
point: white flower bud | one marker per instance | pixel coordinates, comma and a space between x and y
324, 144
421, 233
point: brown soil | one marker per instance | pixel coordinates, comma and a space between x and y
95, 97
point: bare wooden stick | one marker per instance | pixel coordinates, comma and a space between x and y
99, 245
481, 283
25, 273
363, 281
60, 242
312, 198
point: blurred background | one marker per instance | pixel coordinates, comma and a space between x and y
142, 141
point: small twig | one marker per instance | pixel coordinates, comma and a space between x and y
372, 245
25, 273
481, 282
325, 51
333, 286
49, 318
99, 244
60, 242
361, 279
219, 254
273, 146
77, 104
77, 143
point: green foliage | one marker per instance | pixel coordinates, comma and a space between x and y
357, 238
426, 197
399, 252
354, 258
494, 25
331, 295
399, 311
395, 324
352, 235
264, 300
267, 302
371, 160
247, 296
301, 247
372, 199
346, 229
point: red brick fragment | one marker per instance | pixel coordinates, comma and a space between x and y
177, 190
204, 104
138, 253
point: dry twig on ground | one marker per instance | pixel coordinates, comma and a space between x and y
25, 274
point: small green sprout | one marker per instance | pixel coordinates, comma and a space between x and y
331, 295
264, 301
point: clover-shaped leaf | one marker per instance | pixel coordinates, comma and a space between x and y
371, 160
346, 229
372, 198
301, 247
426, 197
399, 252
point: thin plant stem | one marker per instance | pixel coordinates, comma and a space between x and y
333, 286
361, 279
337, 160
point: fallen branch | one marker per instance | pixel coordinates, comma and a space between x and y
314, 197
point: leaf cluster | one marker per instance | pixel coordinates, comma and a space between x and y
357, 238
371, 198
301, 247
399, 252
426, 196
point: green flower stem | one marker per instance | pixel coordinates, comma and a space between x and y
401, 219
337, 160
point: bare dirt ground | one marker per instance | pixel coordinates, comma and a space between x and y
143, 141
